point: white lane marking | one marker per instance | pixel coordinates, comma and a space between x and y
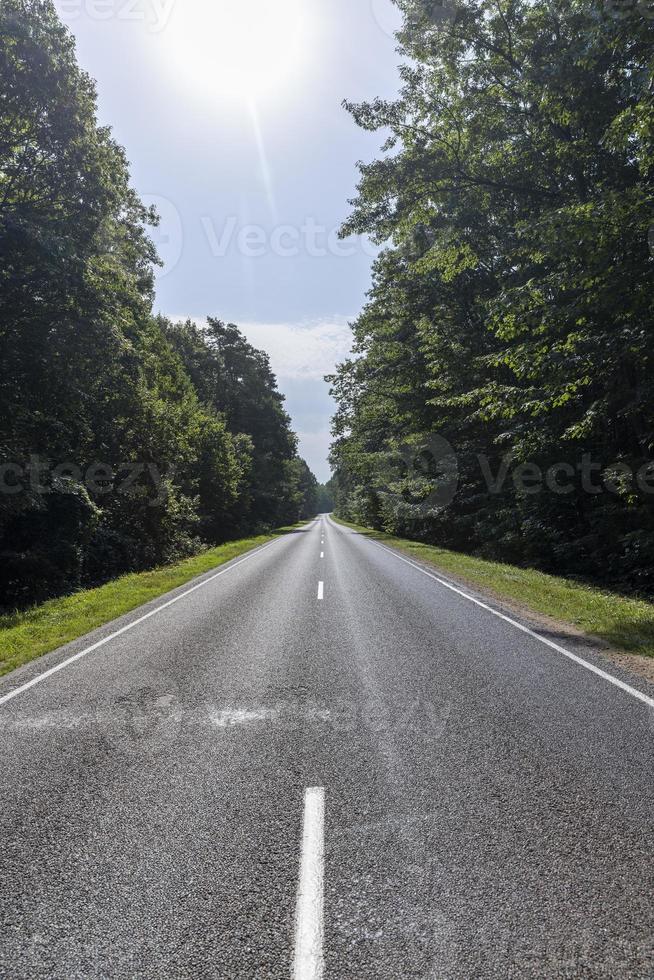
322, 554
525, 629
124, 629
308, 961
321, 590
230, 717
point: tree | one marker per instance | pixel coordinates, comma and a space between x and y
306, 492
325, 493
511, 310
234, 380
124, 443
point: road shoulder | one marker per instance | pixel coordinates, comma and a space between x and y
61, 626
631, 619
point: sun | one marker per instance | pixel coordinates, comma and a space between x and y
237, 49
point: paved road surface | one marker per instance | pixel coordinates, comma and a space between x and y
385, 782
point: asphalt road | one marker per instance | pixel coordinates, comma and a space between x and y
385, 782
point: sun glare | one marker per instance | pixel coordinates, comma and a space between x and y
237, 49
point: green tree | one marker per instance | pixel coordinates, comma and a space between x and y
511, 310
89, 375
326, 497
235, 381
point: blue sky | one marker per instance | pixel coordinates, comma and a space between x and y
230, 113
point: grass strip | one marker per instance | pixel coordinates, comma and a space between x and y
624, 623
28, 634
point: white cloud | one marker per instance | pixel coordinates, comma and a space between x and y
298, 351
302, 351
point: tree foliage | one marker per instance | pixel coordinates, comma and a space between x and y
325, 500
124, 441
511, 309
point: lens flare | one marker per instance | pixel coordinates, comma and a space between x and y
235, 50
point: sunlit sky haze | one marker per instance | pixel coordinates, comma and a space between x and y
231, 116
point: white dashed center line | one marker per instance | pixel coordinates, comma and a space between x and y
308, 961
321, 590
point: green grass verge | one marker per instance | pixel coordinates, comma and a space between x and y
28, 634
625, 624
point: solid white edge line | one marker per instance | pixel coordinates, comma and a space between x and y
308, 963
524, 629
129, 626
321, 590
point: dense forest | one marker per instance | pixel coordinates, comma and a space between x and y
500, 395
125, 440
